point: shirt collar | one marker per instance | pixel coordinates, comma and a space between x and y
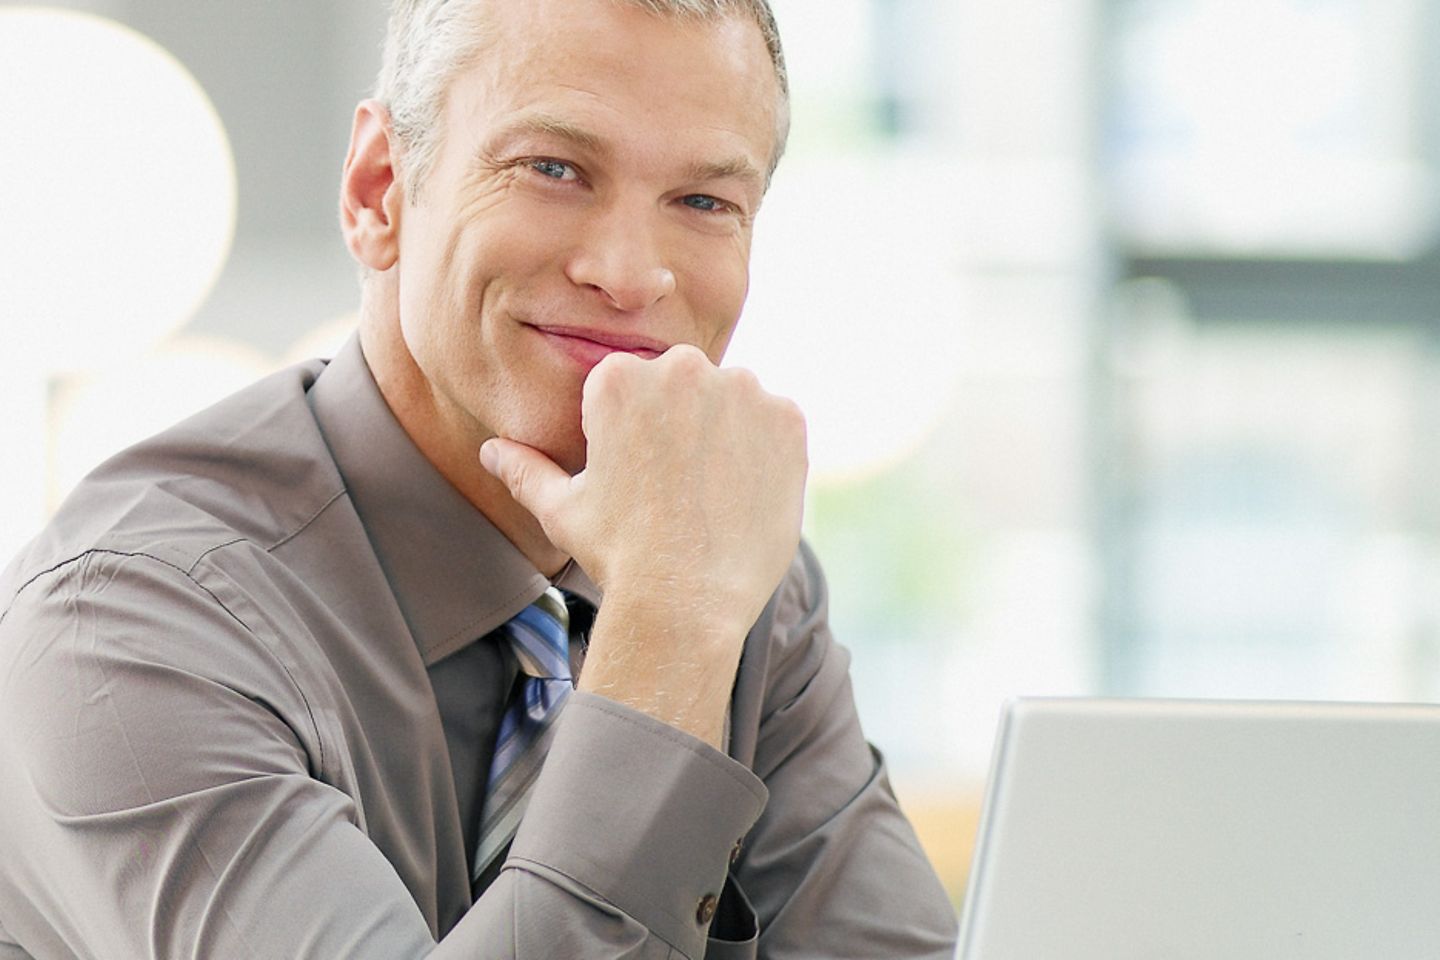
455, 576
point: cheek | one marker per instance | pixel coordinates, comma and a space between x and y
451, 242
440, 286
718, 293
425, 268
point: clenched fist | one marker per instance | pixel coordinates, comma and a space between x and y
687, 515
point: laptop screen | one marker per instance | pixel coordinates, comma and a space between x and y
1170, 830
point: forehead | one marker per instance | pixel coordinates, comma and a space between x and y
622, 71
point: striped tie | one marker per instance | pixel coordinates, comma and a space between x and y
539, 636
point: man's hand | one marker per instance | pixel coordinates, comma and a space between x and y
687, 515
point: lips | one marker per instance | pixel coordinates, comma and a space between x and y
589, 346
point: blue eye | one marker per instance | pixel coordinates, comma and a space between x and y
553, 169
698, 201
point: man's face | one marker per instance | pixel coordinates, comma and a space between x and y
597, 177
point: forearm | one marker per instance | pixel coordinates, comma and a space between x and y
671, 660
628, 832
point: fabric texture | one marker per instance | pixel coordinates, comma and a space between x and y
249, 690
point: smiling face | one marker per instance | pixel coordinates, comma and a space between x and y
597, 177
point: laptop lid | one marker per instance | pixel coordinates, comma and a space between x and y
1192, 830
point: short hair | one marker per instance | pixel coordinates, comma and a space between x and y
430, 42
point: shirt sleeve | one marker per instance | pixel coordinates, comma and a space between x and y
833, 868
649, 839
162, 802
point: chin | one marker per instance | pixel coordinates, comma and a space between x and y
567, 449
570, 460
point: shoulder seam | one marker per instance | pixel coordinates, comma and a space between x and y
190, 570
195, 582
187, 571
342, 492
101, 551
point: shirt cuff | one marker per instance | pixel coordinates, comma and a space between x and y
642, 814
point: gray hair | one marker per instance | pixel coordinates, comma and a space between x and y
430, 42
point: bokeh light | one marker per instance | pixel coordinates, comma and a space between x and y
869, 347
118, 173
118, 207
98, 415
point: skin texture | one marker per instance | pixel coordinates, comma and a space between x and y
546, 315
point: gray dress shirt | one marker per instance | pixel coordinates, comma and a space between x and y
248, 694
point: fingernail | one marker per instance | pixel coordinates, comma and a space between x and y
489, 456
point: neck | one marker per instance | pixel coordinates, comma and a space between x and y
447, 436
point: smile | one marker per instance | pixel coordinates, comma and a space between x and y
588, 346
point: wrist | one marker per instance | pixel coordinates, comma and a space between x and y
660, 609
673, 660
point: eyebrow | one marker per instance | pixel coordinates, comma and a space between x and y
735, 167
548, 125
731, 168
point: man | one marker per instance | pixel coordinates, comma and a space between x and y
255, 679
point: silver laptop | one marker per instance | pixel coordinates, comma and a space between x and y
1194, 830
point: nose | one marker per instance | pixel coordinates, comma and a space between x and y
621, 256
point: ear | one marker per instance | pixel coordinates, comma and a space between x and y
371, 197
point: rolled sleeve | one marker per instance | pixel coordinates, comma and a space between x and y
640, 815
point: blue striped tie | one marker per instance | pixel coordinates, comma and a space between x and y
539, 637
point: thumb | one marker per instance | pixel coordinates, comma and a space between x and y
535, 481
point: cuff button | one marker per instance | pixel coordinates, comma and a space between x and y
705, 912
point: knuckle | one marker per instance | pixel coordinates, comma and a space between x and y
744, 379
796, 419
688, 358
596, 383
783, 409
604, 371
687, 352
606, 376
516, 476
790, 419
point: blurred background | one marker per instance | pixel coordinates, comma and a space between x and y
1115, 322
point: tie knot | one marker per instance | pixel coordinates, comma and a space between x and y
540, 637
